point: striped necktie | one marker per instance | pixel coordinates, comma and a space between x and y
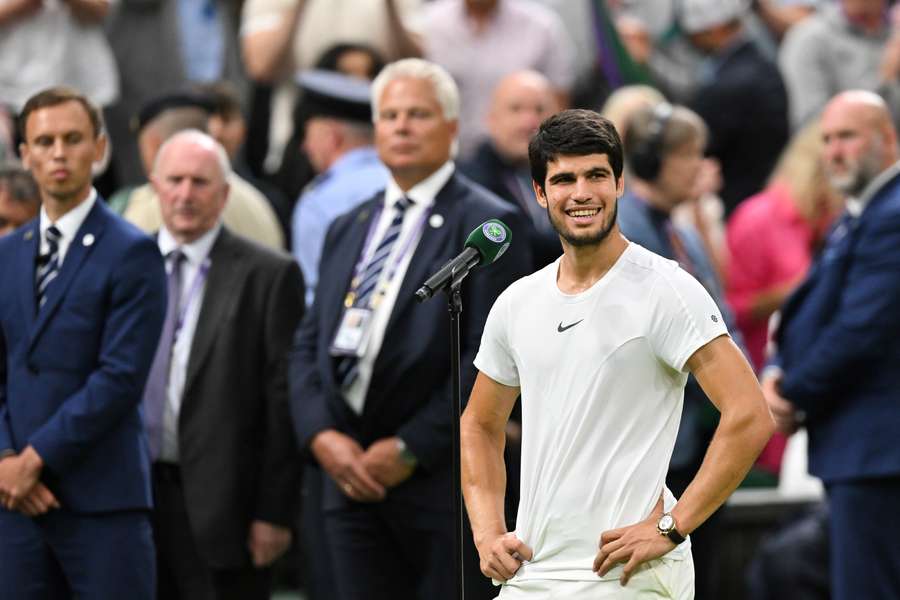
365, 284
48, 265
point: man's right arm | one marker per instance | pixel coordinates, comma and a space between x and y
482, 433
6, 445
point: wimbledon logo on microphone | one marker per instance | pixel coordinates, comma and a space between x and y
494, 232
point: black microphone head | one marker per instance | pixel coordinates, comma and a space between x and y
490, 239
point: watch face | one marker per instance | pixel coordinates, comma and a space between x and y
666, 523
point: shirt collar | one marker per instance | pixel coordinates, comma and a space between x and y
195, 252
856, 206
69, 223
424, 192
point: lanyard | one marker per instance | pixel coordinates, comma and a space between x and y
368, 250
193, 292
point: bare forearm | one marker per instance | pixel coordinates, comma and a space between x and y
483, 479
735, 446
267, 52
766, 302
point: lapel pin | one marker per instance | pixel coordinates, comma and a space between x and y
436, 221
29, 234
88, 239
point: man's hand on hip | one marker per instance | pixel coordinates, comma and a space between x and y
632, 545
502, 556
342, 458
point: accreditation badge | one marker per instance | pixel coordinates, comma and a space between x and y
353, 334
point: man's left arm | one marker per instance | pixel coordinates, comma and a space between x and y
866, 317
131, 330
276, 499
744, 428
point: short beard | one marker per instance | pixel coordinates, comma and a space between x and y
591, 240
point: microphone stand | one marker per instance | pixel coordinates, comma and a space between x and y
454, 305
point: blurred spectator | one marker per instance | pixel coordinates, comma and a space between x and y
228, 126
664, 151
480, 41
774, 235
740, 96
623, 103
7, 135
20, 198
338, 142
838, 349
281, 37
295, 171
847, 44
164, 45
518, 105
770, 20
55, 42
225, 469
247, 211
772, 239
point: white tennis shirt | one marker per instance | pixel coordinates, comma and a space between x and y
602, 377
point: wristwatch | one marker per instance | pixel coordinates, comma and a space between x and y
666, 526
406, 454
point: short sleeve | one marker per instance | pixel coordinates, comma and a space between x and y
683, 318
495, 358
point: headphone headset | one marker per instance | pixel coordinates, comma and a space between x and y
645, 158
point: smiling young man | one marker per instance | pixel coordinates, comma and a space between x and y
599, 344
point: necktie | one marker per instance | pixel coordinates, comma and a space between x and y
155, 398
48, 265
347, 367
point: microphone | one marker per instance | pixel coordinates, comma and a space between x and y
485, 244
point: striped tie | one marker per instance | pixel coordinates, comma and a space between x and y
348, 366
48, 265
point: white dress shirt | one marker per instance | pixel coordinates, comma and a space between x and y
422, 195
193, 287
68, 226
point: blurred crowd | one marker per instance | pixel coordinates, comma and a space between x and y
718, 104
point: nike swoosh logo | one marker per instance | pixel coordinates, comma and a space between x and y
560, 327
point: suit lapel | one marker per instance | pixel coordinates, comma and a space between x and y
220, 294
26, 263
80, 248
432, 242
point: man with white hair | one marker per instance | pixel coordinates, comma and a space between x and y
215, 405
376, 416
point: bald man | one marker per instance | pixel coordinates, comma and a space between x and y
215, 406
836, 371
519, 103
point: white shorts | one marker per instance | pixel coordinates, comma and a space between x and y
656, 579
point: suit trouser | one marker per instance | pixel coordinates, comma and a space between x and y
388, 551
865, 551
183, 574
62, 555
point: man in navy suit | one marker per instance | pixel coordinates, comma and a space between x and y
376, 416
839, 349
80, 315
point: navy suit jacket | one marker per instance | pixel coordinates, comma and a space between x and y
409, 394
72, 375
839, 345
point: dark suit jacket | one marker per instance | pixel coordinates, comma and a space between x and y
237, 454
72, 375
839, 346
409, 394
745, 106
